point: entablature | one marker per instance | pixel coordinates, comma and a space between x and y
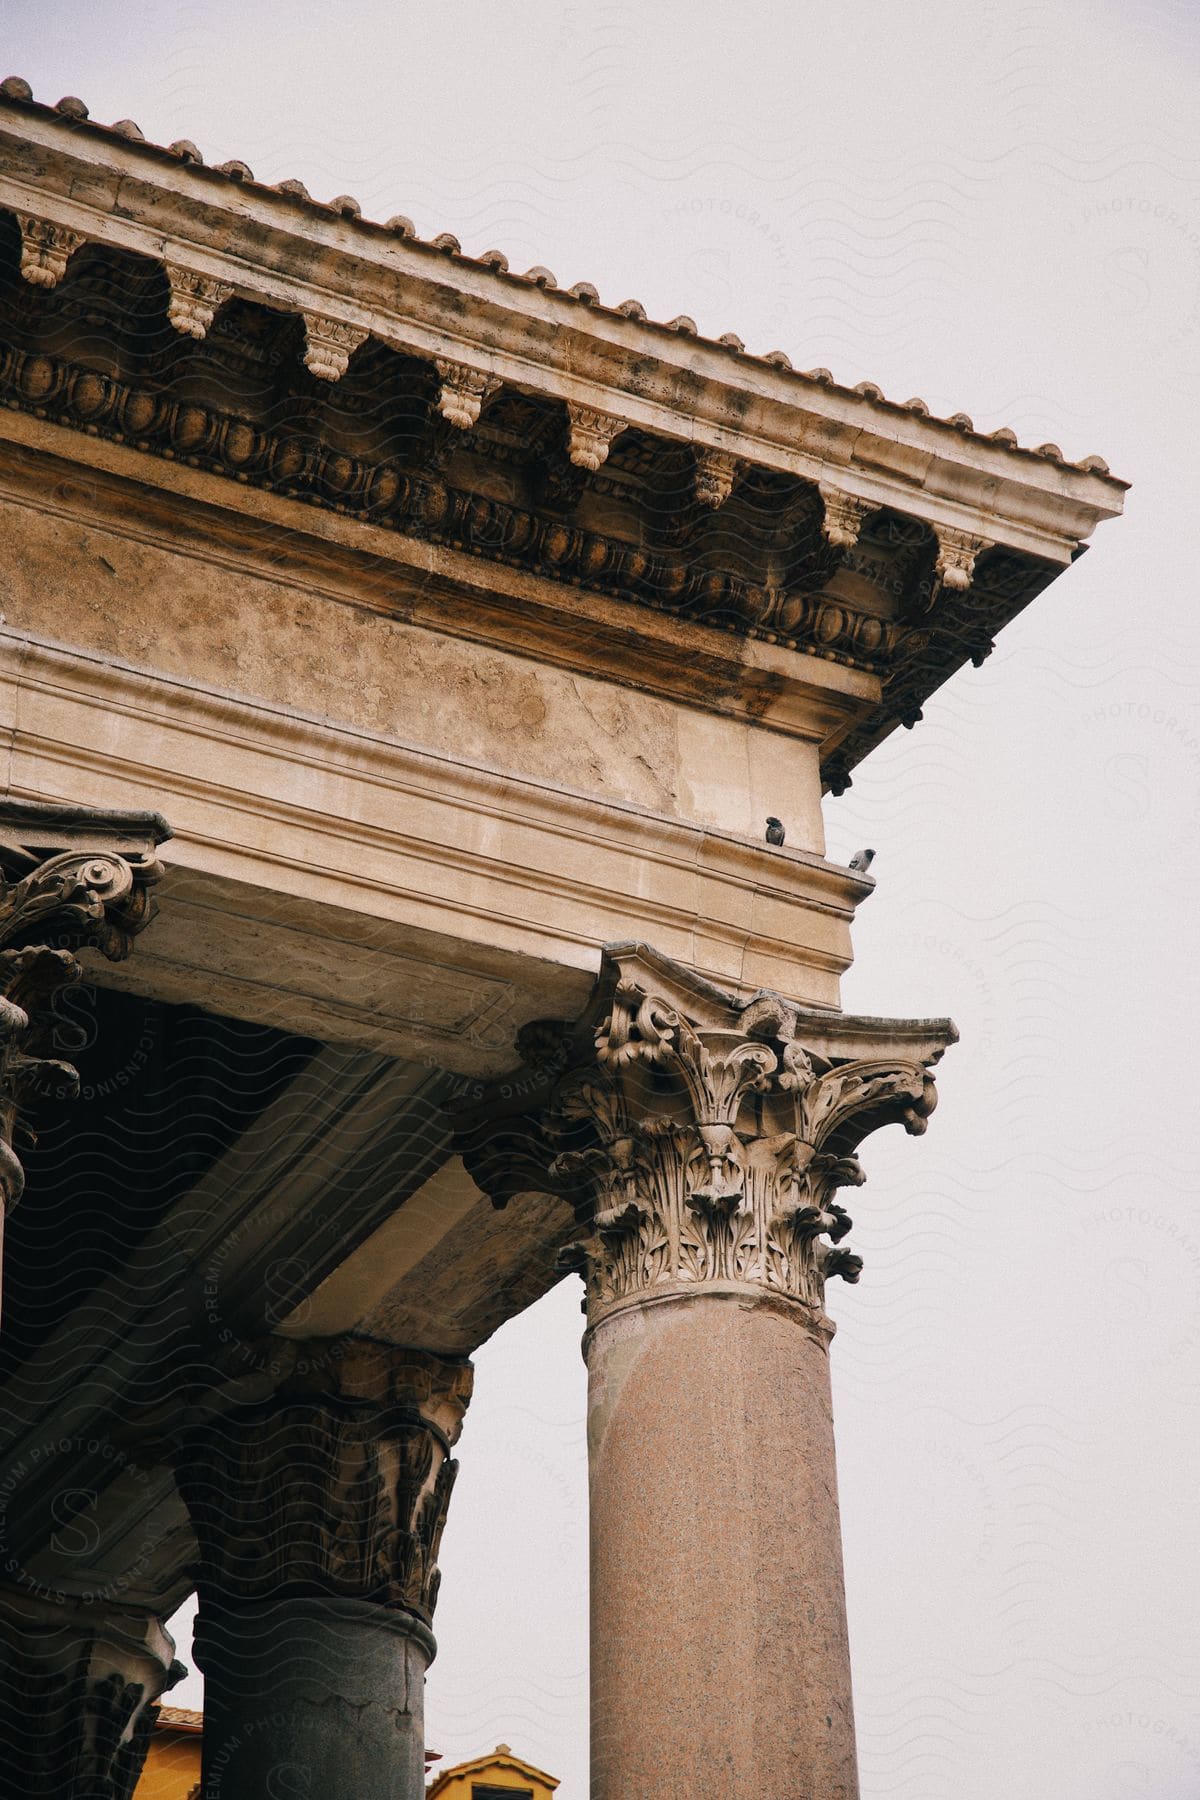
294, 348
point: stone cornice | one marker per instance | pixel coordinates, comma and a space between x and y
530, 431
431, 300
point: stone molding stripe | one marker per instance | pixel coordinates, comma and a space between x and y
702, 1141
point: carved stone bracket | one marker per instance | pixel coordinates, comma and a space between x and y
957, 552
79, 1692
70, 878
844, 516
46, 249
329, 345
716, 472
194, 300
701, 1140
462, 393
590, 436
336, 1484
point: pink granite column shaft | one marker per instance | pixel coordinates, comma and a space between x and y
720, 1662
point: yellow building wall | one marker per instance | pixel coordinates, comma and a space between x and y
501, 1770
172, 1768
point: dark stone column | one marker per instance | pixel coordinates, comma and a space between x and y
79, 1691
318, 1513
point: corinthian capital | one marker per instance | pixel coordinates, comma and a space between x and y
703, 1141
333, 1484
956, 556
70, 878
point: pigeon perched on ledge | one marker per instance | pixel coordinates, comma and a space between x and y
775, 831
862, 862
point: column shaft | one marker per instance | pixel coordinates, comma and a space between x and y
718, 1618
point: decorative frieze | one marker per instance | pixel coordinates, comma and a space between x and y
336, 1485
462, 393
46, 249
590, 436
329, 345
703, 1142
194, 300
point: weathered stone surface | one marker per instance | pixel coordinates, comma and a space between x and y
79, 1687
720, 1661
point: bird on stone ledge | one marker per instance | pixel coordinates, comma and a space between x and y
775, 832
862, 862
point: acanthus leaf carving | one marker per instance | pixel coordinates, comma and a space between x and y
329, 345
46, 249
956, 557
338, 1484
711, 1147
194, 300
590, 436
843, 516
462, 392
76, 899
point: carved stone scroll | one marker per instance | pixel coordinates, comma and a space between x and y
46, 249
704, 1141
462, 393
329, 345
194, 300
956, 556
844, 516
590, 436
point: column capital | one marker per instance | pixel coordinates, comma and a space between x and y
332, 1485
79, 1692
70, 878
702, 1139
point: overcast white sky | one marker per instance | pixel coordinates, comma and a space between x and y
996, 206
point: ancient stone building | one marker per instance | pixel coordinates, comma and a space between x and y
401, 657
